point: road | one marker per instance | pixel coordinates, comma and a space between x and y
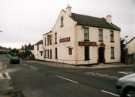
40, 80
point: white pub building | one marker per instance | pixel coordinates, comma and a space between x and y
82, 39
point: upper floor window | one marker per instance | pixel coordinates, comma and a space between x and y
86, 33
61, 21
55, 38
112, 53
111, 36
49, 40
100, 35
45, 41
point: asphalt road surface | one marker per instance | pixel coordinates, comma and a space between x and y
40, 80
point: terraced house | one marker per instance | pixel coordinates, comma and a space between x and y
82, 39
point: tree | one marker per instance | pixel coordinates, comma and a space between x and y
26, 51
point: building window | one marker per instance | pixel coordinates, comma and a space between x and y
111, 36
55, 38
100, 35
70, 51
49, 40
86, 33
50, 54
45, 41
61, 22
44, 53
112, 53
41, 53
56, 53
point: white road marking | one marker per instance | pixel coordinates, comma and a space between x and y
33, 67
12, 70
70, 80
102, 75
122, 72
110, 93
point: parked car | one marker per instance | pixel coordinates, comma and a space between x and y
6, 84
126, 86
14, 60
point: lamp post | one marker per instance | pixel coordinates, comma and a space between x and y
126, 49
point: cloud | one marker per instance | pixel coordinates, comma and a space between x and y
26, 20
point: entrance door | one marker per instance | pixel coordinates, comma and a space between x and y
101, 57
86, 53
56, 53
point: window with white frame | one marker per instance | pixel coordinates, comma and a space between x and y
86, 33
100, 35
112, 53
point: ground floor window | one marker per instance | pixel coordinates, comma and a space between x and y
41, 53
112, 53
70, 51
44, 53
50, 54
56, 53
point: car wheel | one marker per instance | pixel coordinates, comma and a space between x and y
129, 93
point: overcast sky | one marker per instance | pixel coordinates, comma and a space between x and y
24, 21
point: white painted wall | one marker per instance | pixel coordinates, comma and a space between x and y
37, 53
131, 47
76, 34
93, 36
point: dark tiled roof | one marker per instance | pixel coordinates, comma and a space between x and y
93, 21
131, 40
39, 42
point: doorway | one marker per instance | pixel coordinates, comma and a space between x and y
101, 55
86, 53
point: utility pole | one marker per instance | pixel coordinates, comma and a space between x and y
126, 49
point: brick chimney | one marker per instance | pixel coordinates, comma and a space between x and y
68, 10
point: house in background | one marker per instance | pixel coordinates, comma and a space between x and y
82, 39
131, 50
38, 50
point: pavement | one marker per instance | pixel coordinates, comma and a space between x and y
40, 79
63, 65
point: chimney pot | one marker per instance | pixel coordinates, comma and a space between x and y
109, 18
68, 10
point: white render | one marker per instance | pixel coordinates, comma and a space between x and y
131, 46
76, 34
38, 48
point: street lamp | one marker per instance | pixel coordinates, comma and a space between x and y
126, 49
